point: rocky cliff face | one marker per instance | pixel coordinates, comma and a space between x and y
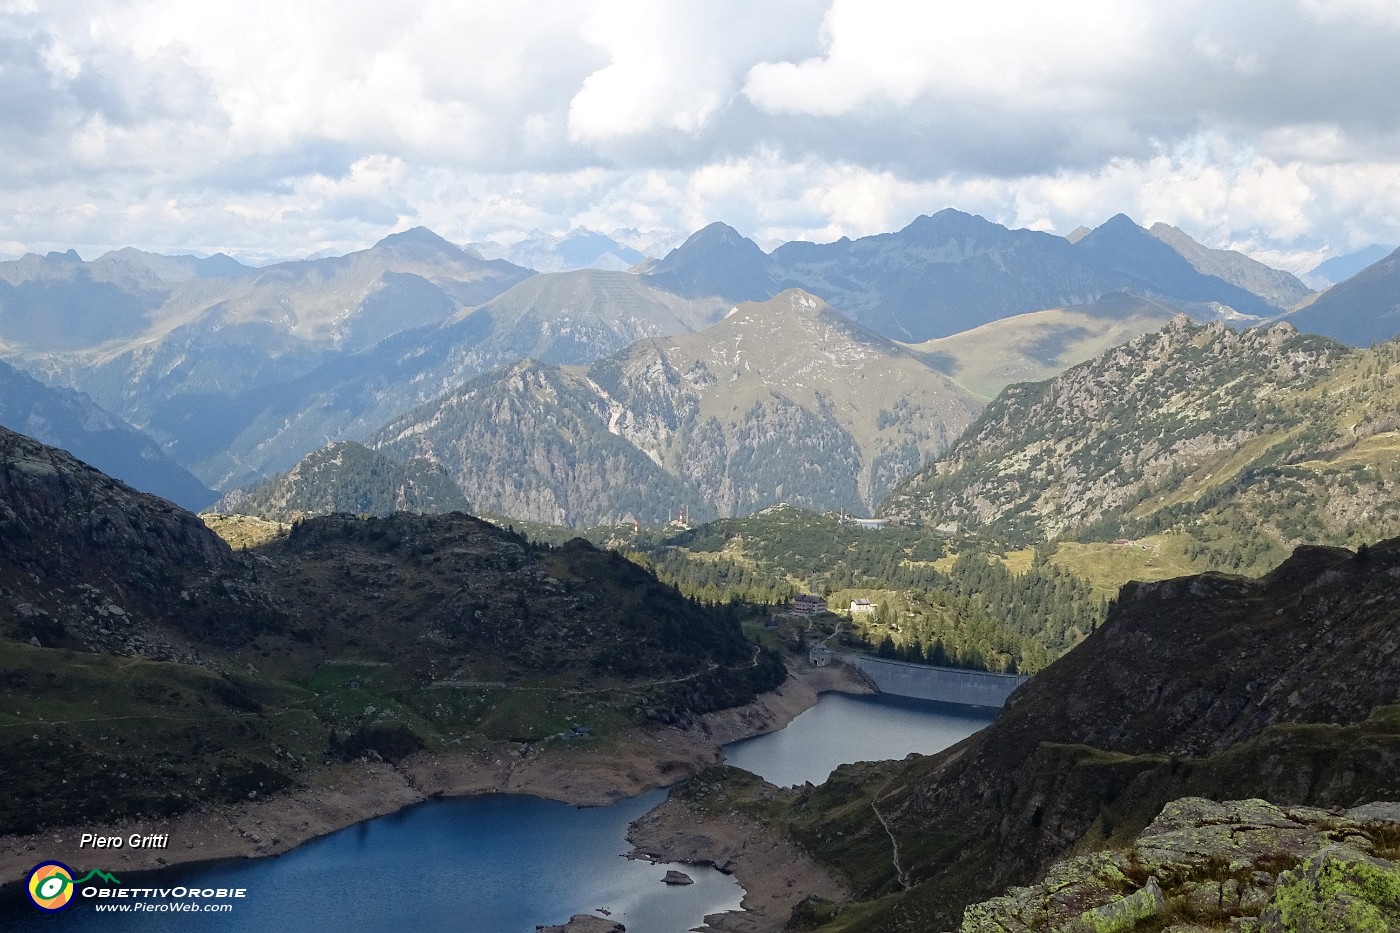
1283, 688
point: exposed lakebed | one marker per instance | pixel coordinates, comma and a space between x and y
504, 863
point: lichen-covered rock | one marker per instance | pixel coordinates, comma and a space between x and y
1071, 888
1194, 835
1338, 890
1123, 913
1245, 866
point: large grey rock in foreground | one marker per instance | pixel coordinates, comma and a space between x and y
1242, 865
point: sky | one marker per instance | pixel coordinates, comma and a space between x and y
269, 129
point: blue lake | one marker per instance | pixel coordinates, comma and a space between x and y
503, 864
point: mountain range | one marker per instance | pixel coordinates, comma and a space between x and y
1004, 397
239, 372
952, 271
783, 400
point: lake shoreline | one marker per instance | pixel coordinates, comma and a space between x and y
582, 773
774, 872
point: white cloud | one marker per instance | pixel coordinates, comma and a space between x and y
288, 128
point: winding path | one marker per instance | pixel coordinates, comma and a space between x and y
899, 872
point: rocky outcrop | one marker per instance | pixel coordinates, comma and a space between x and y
87, 562
1240, 866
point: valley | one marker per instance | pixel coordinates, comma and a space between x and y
472, 529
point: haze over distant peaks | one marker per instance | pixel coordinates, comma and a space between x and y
1280, 289
580, 248
1340, 268
1363, 310
1119, 246
69, 419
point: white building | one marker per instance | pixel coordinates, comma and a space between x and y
863, 607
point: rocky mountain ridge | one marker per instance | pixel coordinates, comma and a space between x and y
1251, 442
949, 272
781, 401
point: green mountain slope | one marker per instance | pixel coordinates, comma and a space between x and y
348, 477
158, 671
1244, 443
1041, 344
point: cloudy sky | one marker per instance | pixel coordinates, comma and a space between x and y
280, 129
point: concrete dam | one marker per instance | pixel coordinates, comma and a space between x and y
926, 682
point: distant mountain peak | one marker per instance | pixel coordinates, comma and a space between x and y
947, 221
418, 236
718, 261
1119, 221
718, 232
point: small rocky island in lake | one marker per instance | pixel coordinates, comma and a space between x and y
677, 877
585, 923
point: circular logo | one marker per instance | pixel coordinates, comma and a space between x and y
50, 886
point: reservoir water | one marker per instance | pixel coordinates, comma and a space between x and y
502, 864
843, 728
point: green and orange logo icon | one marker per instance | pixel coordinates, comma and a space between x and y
51, 885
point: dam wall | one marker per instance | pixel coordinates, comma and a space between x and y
943, 684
